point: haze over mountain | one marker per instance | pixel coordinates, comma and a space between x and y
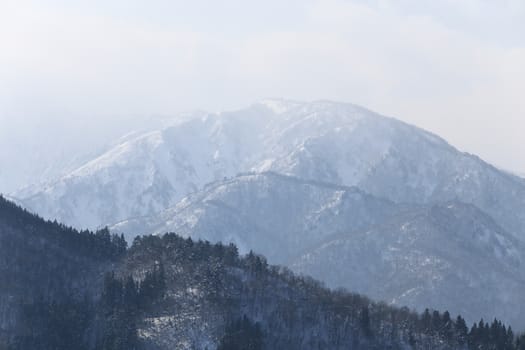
449, 255
33, 152
278, 215
323, 141
327, 181
148, 203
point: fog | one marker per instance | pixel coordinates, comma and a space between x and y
74, 77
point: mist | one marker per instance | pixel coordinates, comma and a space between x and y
82, 75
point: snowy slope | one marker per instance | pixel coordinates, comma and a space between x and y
323, 141
449, 256
147, 173
33, 152
279, 216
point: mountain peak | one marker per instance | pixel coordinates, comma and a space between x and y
325, 141
279, 105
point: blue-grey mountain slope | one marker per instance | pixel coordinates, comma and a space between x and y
63, 289
277, 215
322, 141
448, 256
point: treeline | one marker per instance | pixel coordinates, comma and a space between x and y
184, 250
373, 320
481, 335
99, 245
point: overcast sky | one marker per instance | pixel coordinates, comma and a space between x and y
454, 67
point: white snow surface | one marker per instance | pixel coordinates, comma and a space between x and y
277, 215
323, 141
447, 257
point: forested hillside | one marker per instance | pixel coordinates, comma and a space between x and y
422, 256
65, 289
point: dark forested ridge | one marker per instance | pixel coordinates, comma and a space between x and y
100, 244
49, 277
66, 289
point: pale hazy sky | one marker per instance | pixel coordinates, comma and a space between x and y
454, 67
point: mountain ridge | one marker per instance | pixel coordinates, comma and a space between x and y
324, 141
276, 214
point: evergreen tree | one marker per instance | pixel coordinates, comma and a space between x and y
426, 321
461, 330
364, 321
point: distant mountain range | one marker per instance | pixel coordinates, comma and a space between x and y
322, 141
330, 189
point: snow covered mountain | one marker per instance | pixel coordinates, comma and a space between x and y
63, 289
279, 216
327, 187
450, 256
32, 154
322, 141
149, 172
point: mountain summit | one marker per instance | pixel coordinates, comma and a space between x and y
323, 141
